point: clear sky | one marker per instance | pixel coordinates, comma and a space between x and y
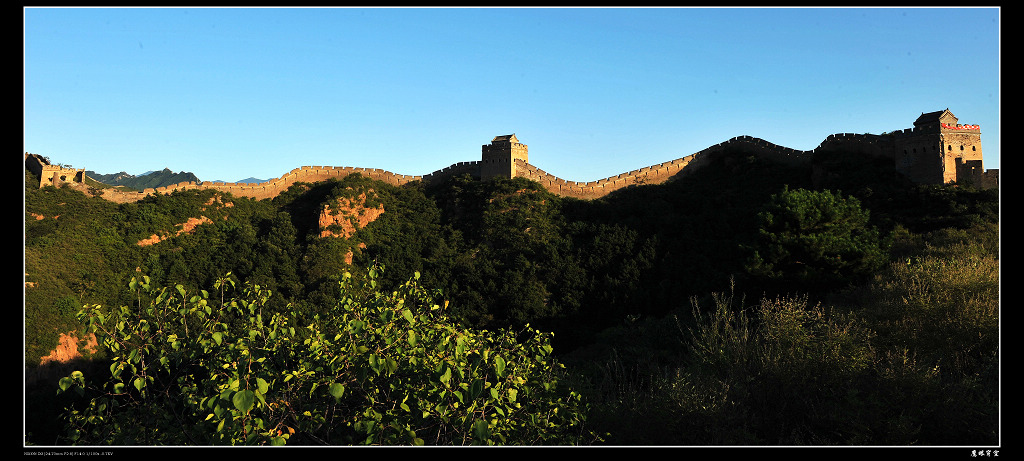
231, 93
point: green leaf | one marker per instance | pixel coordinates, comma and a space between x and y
499, 366
481, 431
374, 363
446, 377
460, 347
408, 316
243, 400
476, 389
262, 385
337, 390
218, 337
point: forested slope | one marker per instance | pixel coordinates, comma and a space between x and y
636, 272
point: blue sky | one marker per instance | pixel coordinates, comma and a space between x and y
235, 93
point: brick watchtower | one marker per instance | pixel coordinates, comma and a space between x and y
498, 158
939, 150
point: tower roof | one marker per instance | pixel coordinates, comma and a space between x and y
935, 117
507, 137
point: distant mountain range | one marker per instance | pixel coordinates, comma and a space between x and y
152, 179
246, 181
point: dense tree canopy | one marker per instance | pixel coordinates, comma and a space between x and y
815, 239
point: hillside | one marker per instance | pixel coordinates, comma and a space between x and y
150, 180
626, 283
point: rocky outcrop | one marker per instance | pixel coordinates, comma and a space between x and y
67, 348
345, 216
59, 362
186, 226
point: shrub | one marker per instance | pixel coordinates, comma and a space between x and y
786, 366
383, 368
815, 239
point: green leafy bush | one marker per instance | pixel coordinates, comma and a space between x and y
383, 367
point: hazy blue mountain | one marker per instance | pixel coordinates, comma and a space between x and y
152, 179
243, 181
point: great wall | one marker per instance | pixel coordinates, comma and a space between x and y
936, 150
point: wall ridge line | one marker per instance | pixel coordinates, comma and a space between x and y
507, 157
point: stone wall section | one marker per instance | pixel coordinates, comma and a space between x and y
929, 153
659, 173
306, 174
457, 169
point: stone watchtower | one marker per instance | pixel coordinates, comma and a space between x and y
498, 157
52, 175
940, 150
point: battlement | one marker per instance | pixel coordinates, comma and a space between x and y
960, 127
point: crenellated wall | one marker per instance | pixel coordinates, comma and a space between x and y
471, 168
271, 188
931, 152
659, 173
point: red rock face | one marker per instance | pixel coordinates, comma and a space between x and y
187, 226
67, 349
58, 363
346, 217
349, 215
